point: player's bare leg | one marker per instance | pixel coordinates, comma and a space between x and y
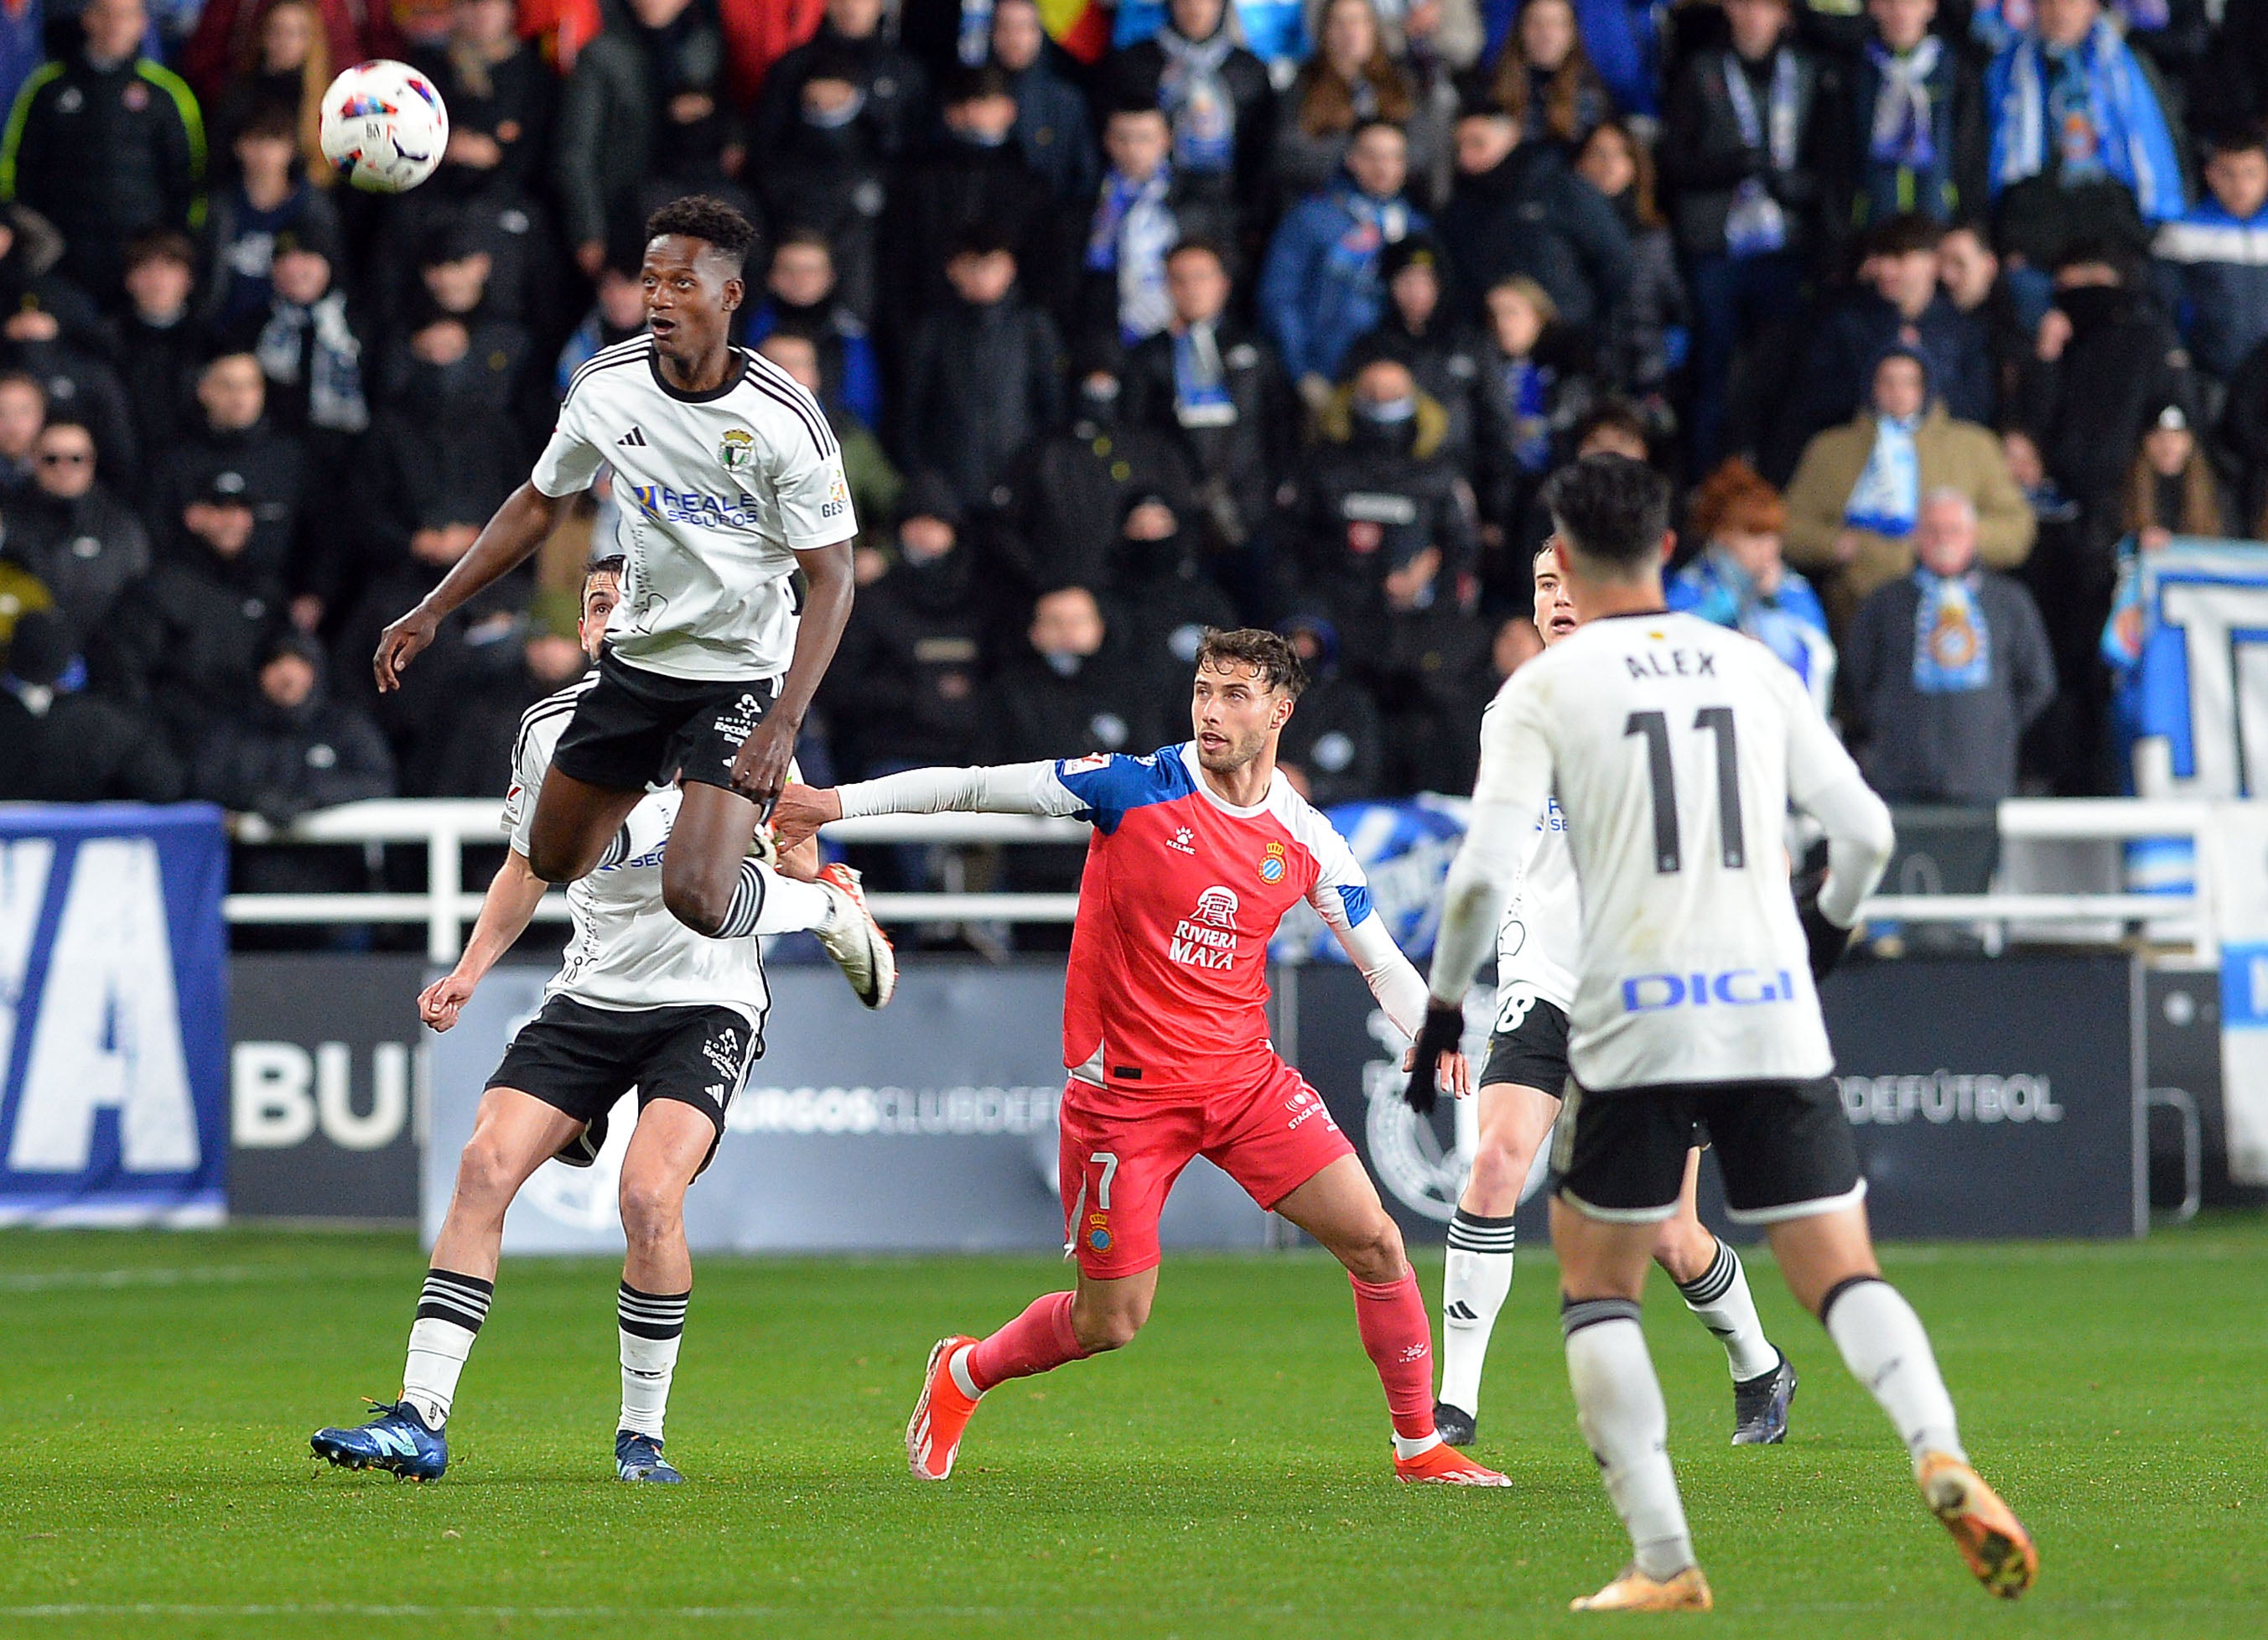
1339, 1206
701, 868
1715, 1287
1619, 1406
513, 1133
1829, 1260
670, 1143
574, 825
1515, 1121
1100, 1314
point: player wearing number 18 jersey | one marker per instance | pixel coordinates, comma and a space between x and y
1676, 749
1537, 955
1198, 851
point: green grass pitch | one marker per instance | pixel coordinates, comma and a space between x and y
1227, 1475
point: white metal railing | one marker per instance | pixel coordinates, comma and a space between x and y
444, 826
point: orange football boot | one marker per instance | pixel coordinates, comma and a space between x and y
933, 1433
1443, 1464
1984, 1529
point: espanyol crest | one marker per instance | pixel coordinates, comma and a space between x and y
738, 451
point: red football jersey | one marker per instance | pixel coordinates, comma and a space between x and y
1181, 892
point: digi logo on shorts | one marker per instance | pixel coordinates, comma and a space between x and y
1733, 988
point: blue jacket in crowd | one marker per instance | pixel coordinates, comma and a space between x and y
1319, 289
2214, 273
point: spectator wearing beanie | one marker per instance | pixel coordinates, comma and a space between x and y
1946, 666
1333, 750
1053, 126
890, 89
827, 175
1166, 602
1739, 580
1419, 329
1320, 288
2172, 490
60, 743
1856, 498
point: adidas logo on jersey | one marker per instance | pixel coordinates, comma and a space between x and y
636, 438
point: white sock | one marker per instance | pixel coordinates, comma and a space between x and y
1479, 1275
450, 1312
652, 1327
1720, 1296
1619, 1404
957, 1364
791, 906
1884, 1346
1406, 1447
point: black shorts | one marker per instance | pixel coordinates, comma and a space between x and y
1785, 1149
581, 1059
636, 728
1530, 1046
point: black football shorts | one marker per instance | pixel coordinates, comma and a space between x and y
635, 728
582, 1059
1785, 1149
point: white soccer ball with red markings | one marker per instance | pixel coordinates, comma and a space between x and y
384, 127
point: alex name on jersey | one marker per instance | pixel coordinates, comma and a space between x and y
1168, 985
1674, 748
715, 495
626, 951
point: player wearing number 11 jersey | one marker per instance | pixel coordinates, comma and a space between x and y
1676, 749
1198, 852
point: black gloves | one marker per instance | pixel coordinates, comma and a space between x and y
1443, 1032
1826, 941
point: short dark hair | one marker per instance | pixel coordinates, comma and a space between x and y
1197, 244
1279, 664
612, 563
968, 84
711, 220
1619, 414
160, 245
1905, 235
1610, 509
2245, 136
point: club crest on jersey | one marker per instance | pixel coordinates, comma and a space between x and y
1206, 939
1271, 865
737, 453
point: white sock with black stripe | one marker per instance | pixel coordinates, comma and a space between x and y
652, 1327
1619, 1404
1886, 1351
450, 1312
1473, 1289
765, 902
1720, 1296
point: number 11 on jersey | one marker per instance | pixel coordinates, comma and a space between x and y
1718, 720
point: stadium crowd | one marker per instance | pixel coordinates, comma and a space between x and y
1130, 322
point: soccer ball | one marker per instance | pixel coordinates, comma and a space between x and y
384, 127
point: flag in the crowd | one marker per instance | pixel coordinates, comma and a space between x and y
1404, 850
1082, 28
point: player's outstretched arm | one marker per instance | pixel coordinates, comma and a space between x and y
1401, 993
1001, 788
519, 526
506, 909
760, 772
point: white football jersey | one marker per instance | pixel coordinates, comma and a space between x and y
715, 494
626, 950
1674, 748
1541, 941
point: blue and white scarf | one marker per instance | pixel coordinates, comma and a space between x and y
2096, 110
1197, 100
1528, 395
1887, 499
1953, 641
1755, 224
1903, 131
1132, 230
335, 394
1200, 384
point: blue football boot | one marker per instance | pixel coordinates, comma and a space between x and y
638, 1458
395, 1439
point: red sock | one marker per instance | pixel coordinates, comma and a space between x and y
1399, 1340
1038, 1340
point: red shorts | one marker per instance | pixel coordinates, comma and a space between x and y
1121, 1153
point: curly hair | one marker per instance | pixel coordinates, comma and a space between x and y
1278, 663
1736, 498
711, 220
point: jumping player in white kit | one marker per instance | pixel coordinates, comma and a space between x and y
639, 1001
1676, 749
1519, 1095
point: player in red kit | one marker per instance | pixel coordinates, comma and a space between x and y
1198, 851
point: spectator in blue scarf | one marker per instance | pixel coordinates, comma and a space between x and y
1918, 108
1739, 580
1320, 288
